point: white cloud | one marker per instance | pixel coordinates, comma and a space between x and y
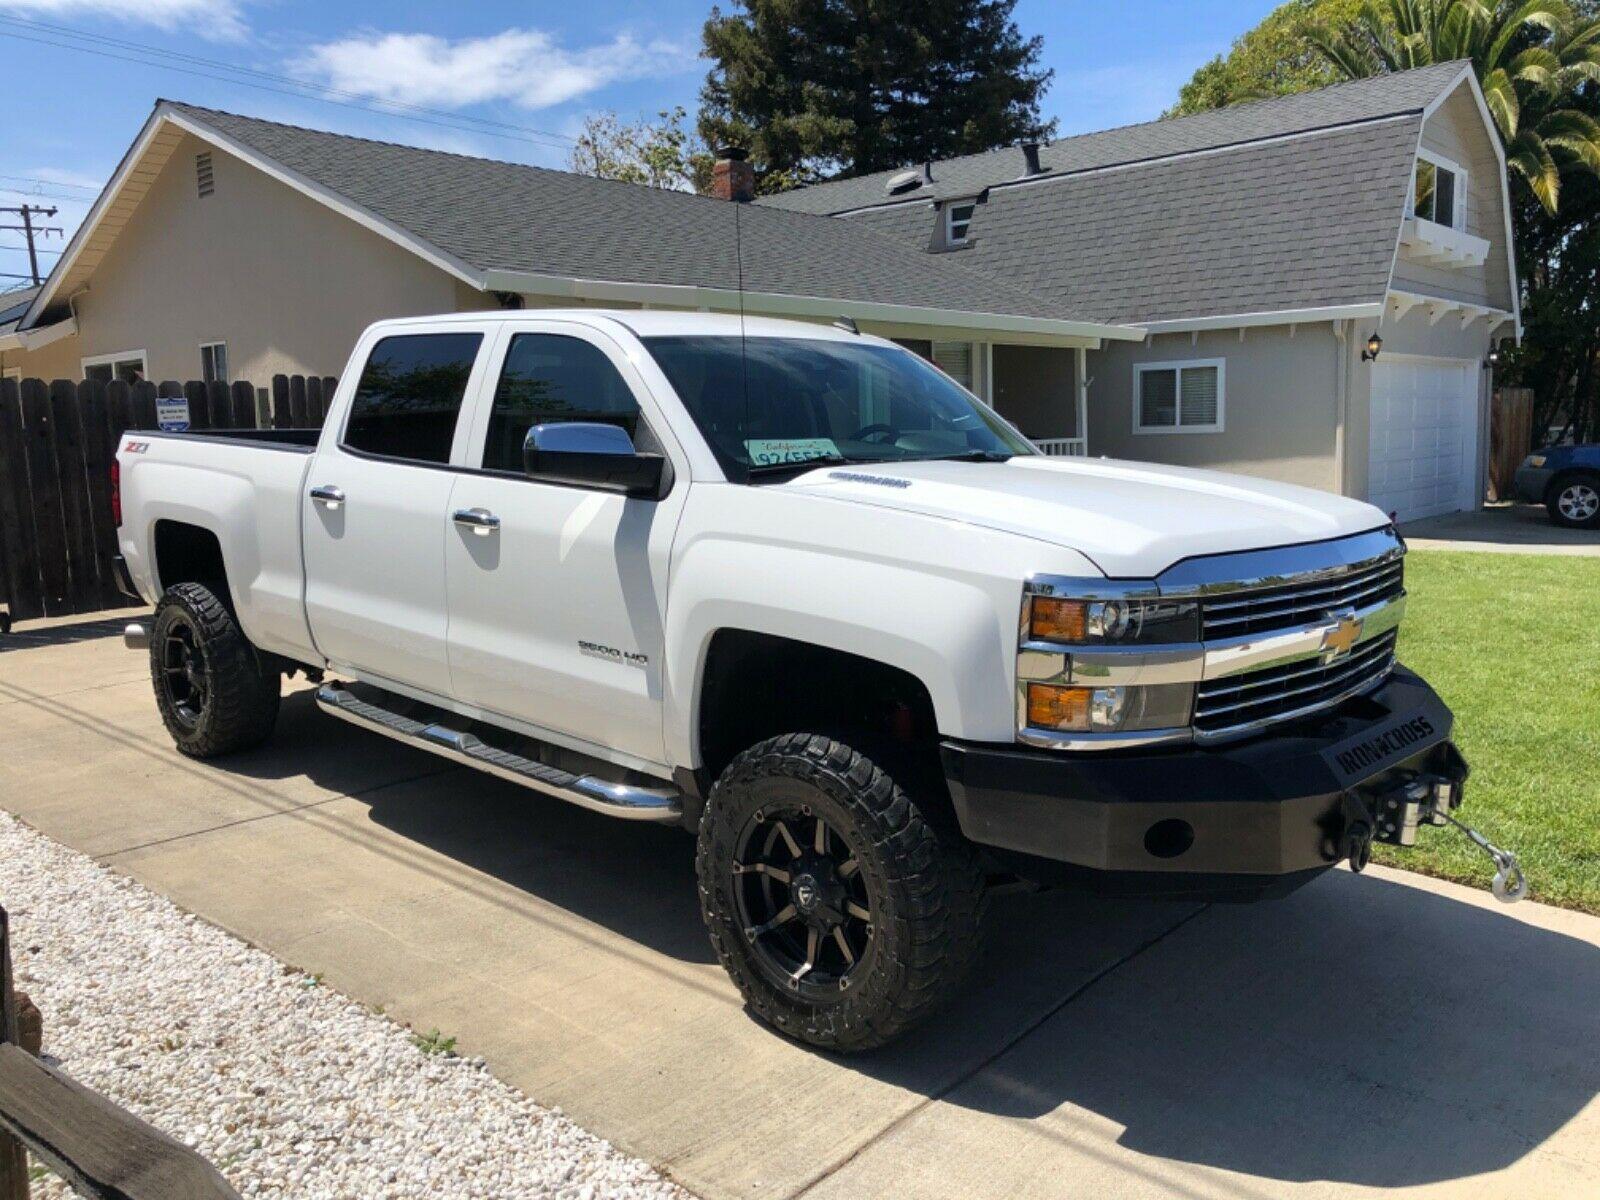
524, 66
217, 20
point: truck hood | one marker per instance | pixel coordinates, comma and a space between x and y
1132, 519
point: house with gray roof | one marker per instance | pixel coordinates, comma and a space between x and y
1266, 250
1199, 291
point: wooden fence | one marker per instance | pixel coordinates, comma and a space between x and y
1510, 437
57, 444
102, 1151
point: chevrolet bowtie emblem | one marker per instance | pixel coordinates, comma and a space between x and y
1343, 634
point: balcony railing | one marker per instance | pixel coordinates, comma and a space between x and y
1063, 447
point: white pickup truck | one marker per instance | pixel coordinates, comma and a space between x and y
792, 588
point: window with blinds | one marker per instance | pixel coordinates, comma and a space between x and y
1178, 397
955, 360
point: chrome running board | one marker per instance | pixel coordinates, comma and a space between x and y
625, 800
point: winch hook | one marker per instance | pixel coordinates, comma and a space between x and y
1510, 884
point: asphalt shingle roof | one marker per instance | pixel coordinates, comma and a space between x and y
1342, 104
1306, 222
507, 216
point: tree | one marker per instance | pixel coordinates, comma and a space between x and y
1532, 60
814, 88
1275, 58
659, 153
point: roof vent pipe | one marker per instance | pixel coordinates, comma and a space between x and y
927, 171
1030, 157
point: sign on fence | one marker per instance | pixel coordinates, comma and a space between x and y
57, 443
172, 415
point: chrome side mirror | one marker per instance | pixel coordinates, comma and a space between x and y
591, 454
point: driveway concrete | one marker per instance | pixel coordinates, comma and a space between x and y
1383, 1033
1501, 528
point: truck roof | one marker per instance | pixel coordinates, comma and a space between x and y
646, 322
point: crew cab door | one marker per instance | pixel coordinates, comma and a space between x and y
557, 609
376, 512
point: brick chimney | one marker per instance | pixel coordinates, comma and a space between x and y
733, 178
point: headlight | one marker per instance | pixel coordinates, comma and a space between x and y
1111, 622
1535, 460
1108, 709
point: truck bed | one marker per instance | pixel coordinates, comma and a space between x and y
302, 441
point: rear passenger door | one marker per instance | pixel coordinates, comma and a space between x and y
556, 614
377, 509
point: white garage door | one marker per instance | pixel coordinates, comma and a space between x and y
1424, 457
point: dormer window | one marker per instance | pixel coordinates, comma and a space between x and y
1440, 193
957, 220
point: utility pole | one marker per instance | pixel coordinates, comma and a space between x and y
27, 212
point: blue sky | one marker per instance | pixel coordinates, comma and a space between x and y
537, 66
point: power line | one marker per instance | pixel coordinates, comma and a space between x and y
144, 54
44, 195
52, 183
36, 249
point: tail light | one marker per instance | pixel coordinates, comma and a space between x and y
116, 493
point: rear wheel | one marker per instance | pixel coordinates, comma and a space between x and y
1575, 502
214, 694
841, 913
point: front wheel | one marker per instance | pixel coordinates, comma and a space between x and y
214, 694
841, 913
1575, 502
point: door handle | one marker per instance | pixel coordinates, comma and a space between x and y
480, 520
328, 496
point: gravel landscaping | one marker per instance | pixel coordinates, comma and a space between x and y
289, 1088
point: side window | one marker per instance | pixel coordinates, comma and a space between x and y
410, 395
548, 378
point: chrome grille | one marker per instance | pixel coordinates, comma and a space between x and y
1236, 703
1239, 614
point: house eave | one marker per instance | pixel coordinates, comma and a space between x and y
1088, 333
1282, 316
42, 335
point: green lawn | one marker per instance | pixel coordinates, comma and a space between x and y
1512, 643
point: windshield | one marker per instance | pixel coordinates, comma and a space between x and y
763, 402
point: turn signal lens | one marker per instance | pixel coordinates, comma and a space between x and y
1054, 620
1052, 707
1536, 460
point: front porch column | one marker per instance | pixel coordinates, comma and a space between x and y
1080, 428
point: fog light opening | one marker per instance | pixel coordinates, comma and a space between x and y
1169, 838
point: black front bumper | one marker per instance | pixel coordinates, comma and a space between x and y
1238, 821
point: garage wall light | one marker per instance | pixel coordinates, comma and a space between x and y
1374, 344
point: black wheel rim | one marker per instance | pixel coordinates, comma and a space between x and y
803, 902
183, 673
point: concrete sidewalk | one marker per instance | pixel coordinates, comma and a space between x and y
1383, 1033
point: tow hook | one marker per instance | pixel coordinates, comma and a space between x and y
1356, 846
1430, 800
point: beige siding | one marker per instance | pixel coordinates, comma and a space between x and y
1280, 409
285, 281
1456, 132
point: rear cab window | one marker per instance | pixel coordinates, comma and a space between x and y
409, 399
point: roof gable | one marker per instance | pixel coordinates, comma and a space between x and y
508, 226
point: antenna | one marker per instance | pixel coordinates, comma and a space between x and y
744, 357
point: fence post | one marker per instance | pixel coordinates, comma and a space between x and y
66, 420
98, 450
219, 402
144, 406
330, 384
13, 1162
282, 418
24, 597
314, 404
244, 404
297, 400
199, 405
49, 522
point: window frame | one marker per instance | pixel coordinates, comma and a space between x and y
1458, 215
101, 360
467, 413
1178, 366
950, 236
212, 346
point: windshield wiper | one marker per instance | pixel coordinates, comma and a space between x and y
770, 470
966, 456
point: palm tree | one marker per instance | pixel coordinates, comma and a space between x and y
1533, 59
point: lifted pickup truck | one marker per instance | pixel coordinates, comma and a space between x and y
792, 588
